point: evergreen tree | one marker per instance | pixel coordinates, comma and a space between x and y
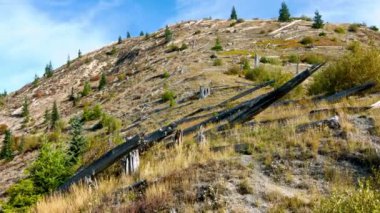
142, 33
86, 89
48, 70
54, 115
47, 116
284, 13
128, 35
102, 82
79, 54
78, 142
36, 80
217, 46
120, 40
68, 63
25, 111
6, 151
168, 34
318, 22
233, 14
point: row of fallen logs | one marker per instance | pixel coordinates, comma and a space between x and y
239, 114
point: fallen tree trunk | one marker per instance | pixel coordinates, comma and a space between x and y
265, 101
345, 93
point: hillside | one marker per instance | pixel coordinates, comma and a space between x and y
280, 169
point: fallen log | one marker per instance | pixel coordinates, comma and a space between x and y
345, 93
331, 123
268, 99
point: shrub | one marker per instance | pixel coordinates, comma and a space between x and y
86, 89
102, 82
234, 70
6, 150
22, 195
77, 143
267, 60
353, 28
168, 95
307, 40
294, 58
166, 75
94, 113
3, 128
217, 46
244, 188
340, 30
364, 199
29, 143
374, 28
352, 69
218, 62
313, 58
168, 34
111, 123
322, 34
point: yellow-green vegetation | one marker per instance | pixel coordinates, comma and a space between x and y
360, 65
364, 198
92, 113
270, 60
236, 52
218, 62
111, 123
340, 30
353, 28
280, 43
307, 40
234, 70
168, 95
313, 58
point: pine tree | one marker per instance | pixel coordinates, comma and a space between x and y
120, 40
36, 80
25, 112
78, 142
318, 22
54, 115
102, 82
86, 89
142, 33
233, 14
217, 46
47, 116
168, 34
79, 54
48, 70
128, 35
68, 63
284, 13
6, 151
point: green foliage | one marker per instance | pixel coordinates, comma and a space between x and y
353, 28
102, 81
246, 65
217, 46
366, 198
244, 187
318, 22
6, 151
374, 28
25, 112
294, 59
47, 116
79, 54
78, 142
111, 123
166, 75
267, 60
284, 14
322, 34
313, 58
94, 113
68, 63
48, 70
340, 30
173, 48
360, 65
233, 14
218, 62
168, 95
86, 89
168, 34
142, 33
36, 81
54, 116
307, 40
234, 70
22, 195
50, 170
128, 35
119, 40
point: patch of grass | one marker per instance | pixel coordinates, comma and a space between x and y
353, 28
340, 30
217, 62
307, 40
313, 58
322, 34
234, 70
294, 58
236, 52
244, 187
270, 60
92, 113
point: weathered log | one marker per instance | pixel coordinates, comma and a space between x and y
331, 123
116, 154
345, 93
268, 99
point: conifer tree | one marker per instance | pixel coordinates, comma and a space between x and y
318, 22
68, 63
120, 40
6, 151
128, 35
86, 89
48, 70
284, 13
168, 34
25, 111
54, 115
102, 82
36, 80
142, 33
78, 142
79, 54
47, 116
233, 14
218, 45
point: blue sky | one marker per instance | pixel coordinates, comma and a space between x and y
33, 32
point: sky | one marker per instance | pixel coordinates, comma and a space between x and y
34, 32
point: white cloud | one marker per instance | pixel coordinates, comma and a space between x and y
29, 38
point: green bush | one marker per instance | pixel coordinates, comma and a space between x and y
364, 199
294, 59
234, 70
374, 28
111, 123
22, 195
166, 75
168, 95
353, 28
340, 30
217, 46
313, 58
94, 113
267, 60
354, 68
307, 40
218, 62
322, 34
